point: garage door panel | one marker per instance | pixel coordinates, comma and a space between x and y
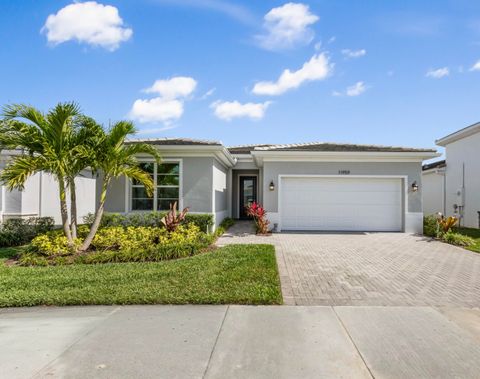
351, 204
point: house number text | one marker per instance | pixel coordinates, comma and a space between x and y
343, 172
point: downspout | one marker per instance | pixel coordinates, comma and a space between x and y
463, 195
40, 194
444, 191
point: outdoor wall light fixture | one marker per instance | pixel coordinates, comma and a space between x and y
414, 187
272, 186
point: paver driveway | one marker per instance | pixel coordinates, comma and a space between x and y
370, 269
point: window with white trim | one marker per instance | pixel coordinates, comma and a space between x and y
166, 180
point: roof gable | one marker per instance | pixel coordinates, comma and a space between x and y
459, 134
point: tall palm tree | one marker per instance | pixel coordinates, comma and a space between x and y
113, 158
51, 143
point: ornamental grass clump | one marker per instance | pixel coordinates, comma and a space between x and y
259, 215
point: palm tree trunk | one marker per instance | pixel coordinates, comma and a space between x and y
64, 210
73, 207
98, 216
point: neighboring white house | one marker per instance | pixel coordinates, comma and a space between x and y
433, 183
40, 196
462, 177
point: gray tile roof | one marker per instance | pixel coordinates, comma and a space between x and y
244, 149
437, 164
339, 147
176, 142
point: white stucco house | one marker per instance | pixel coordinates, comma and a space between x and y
40, 196
311, 186
459, 178
433, 182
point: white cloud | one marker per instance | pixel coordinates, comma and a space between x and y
354, 53
89, 22
354, 90
228, 110
287, 26
357, 89
476, 66
178, 86
209, 93
317, 68
169, 105
438, 73
156, 110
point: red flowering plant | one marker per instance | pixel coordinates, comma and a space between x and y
259, 215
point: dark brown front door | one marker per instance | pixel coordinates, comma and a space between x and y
248, 193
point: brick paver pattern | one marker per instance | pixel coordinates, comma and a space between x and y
369, 268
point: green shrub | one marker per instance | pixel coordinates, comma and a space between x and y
227, 223
458, 239
430, 226
155, 253
32, 259
119, 244
153, 219
18, 231
203, 220
51, 244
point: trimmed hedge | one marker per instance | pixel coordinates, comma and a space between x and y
19, 231
203, 220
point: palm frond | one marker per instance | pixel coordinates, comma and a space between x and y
16, 173
24, 111
142, 148
136, 173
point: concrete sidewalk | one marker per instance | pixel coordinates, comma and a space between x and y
239, 342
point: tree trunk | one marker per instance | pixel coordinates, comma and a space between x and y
64, 210
73, 208
98, 216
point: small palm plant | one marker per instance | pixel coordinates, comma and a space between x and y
111, 157
50, 143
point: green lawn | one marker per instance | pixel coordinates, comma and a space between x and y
475, 234
236, 274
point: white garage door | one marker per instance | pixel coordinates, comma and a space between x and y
343, 204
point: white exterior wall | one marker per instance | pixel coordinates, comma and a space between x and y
464, 153
433, 184
50, 205
40, 198
219, 192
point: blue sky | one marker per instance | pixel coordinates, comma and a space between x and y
391, 73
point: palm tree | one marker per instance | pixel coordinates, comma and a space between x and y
113, 158
51, 143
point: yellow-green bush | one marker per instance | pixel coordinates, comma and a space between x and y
119, 244
458, 239
53, 243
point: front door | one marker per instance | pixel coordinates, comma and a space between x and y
248, 193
